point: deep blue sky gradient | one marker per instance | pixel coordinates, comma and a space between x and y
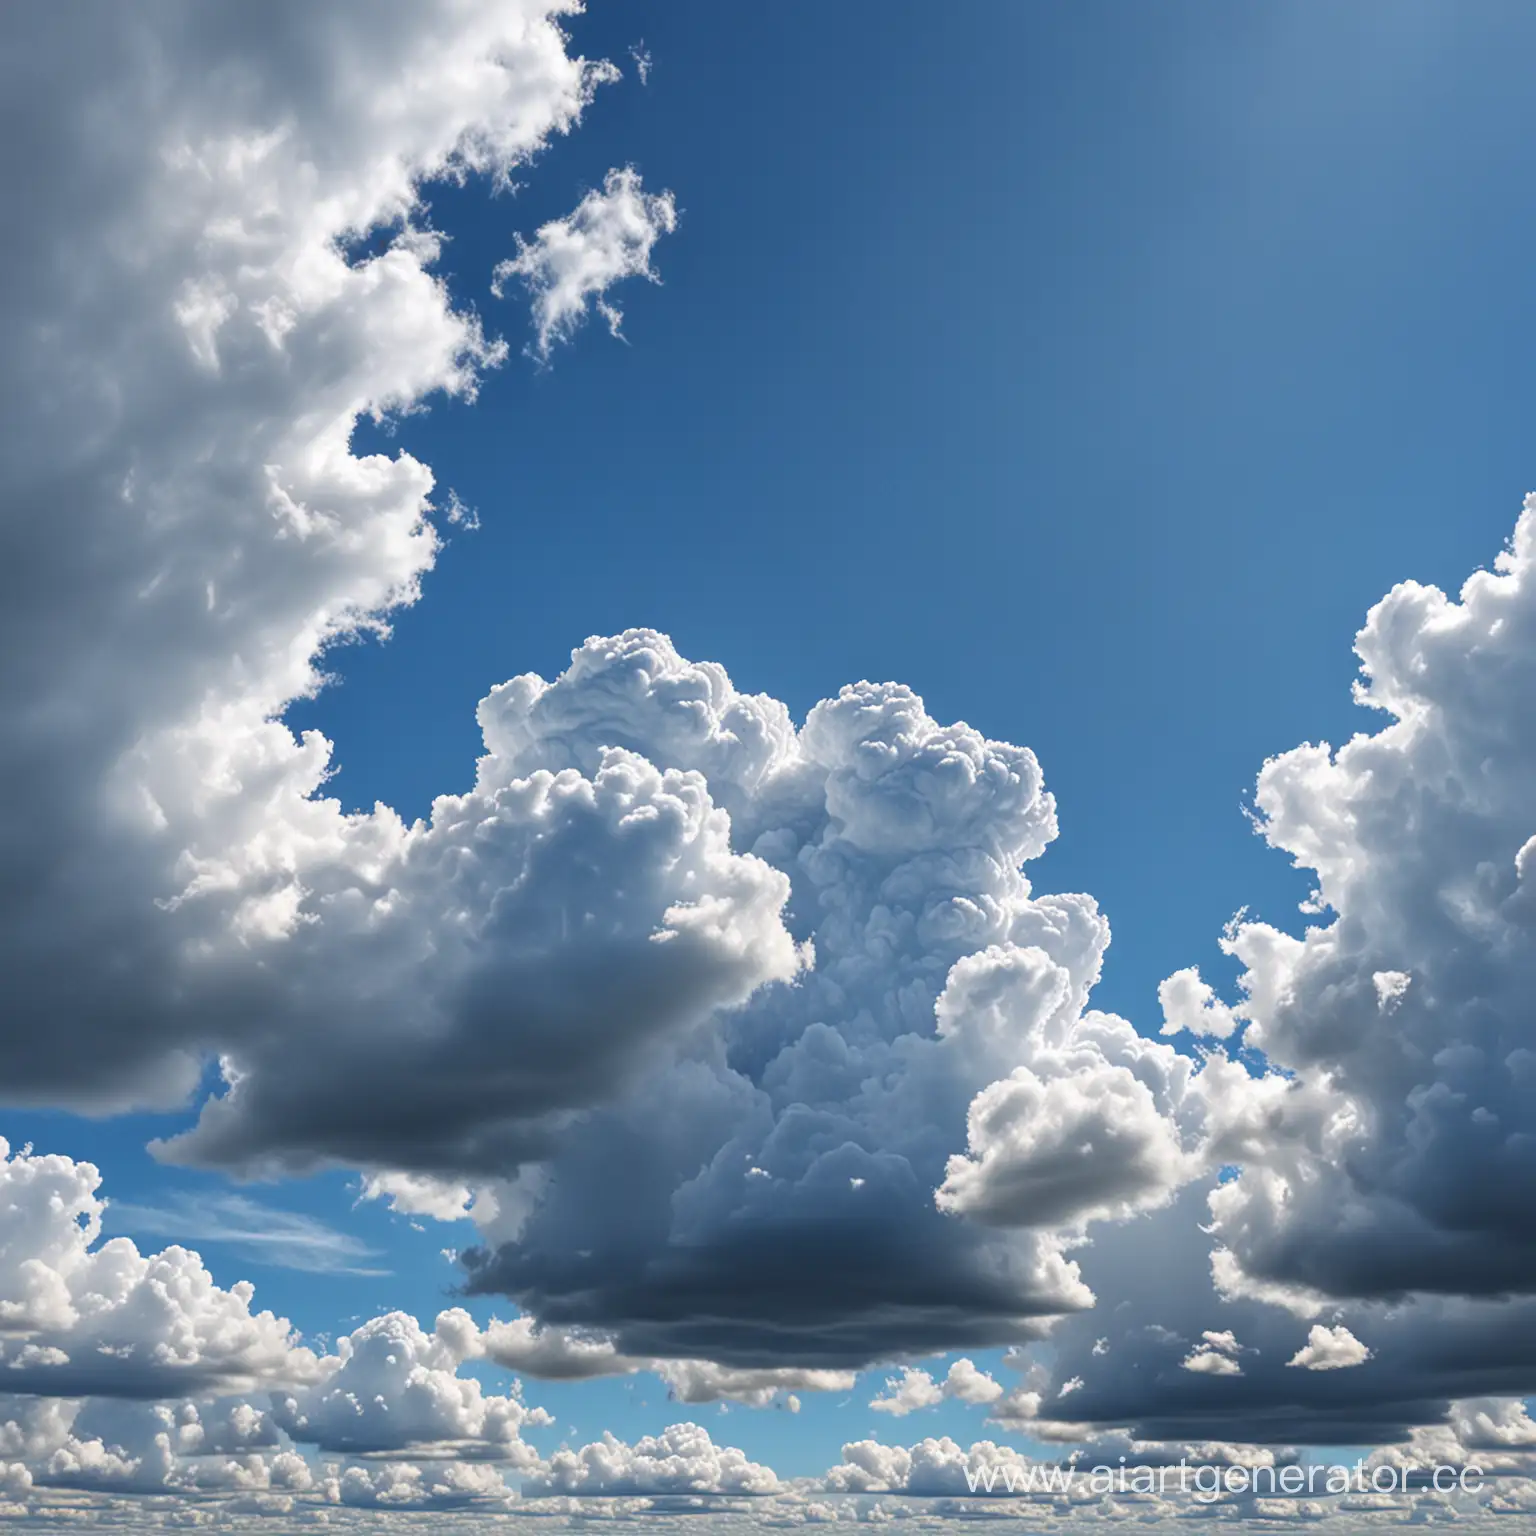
1091, 368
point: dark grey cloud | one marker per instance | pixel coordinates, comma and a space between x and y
800, 1179
1126, 1360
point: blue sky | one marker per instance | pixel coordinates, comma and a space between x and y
1093, 369
1090, 369
1092, 378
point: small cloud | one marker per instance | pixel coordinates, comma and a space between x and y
571, 263
1216, 1357
1330, 1349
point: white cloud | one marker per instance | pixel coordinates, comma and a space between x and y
1190, 1003
914, 1389
1215, 1355
1406, 1010
906, 1393
554, 1354
419, 1194
571, 263
394, 1387
680, 1460
967, 1383
1330, 1349
932, 1467
590, 951
600, 956
79, 1316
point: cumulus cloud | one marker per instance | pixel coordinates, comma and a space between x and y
817, 1129
1188, 1003
914, 1389
83, 1317
702, 1381
807, 1166
1409, 1002
931, 1468
1376, 1176
132, 1373
556, 1354
189, 343
1330, 1349
1215, 1355
571, 263
394, 1387
193, 290
906, 1393
680, 1460
772, 971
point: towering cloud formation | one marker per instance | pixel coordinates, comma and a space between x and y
794, 1173
1413, 1002
189, 342
768, 970
1377, 1229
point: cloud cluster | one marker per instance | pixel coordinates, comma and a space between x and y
914, 1389
792, 980
1411, 1002
683, 1459
894, 1153
80, 1317
789, 979
192, 331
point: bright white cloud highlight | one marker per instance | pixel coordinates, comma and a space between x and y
1330, 1349
571, 263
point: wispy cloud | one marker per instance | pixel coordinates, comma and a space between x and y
265, 1234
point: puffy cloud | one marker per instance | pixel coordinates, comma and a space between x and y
680, 1460
906, 1393
931, 1468
1330, 1349
792, 981
79, 1316
394, 1387
1409, 1003
805, 1135
408, 1486
594, 958
1375, 1181
189, 341
914, 1389
966, 1382
1188, 1003
101, 1444
556, 1354
1215, 1355
416, 1194
192, 332
551, 928
1095, 1144
571, 263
